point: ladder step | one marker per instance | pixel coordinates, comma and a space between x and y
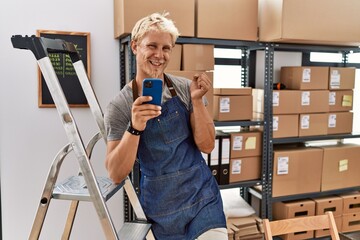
134, 230
74, 188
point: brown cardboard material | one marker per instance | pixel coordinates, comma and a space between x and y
351, 202
340, 167
340, 122
197, 57
281, 21
341, 78
239, 23
351, 222
209, 95
305, 78
128, 12
341, 100
245, 144
296, 171
314, 101
313, 124
331, 203
285, 125
175, 62
232, 108
291, 209
284, 101
233, 91
243, 169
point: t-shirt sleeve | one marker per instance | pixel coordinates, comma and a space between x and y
116, 118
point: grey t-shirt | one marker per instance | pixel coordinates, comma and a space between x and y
118, 112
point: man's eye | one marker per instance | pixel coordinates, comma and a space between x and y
152, 46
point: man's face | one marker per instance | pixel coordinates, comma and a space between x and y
153, 54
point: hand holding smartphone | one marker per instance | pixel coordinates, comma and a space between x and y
153, 87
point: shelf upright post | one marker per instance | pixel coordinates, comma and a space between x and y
267, 134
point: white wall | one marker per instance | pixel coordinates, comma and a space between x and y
29, 136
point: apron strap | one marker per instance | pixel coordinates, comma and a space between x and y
168, 84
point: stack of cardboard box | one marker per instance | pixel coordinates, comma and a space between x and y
325, 204
245, 228
351, 212
345, 207
245, 155
317, 101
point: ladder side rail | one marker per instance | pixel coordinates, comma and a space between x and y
89, 93
47, 192
75, 203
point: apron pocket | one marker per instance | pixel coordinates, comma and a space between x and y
176, 192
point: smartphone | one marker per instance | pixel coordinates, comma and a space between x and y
153, 87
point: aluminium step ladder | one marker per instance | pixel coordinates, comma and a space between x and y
85, 186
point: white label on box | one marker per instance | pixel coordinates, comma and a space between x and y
306, 76
334, 79
275, 123
225, 151
276, 99
283, 165
343, 165
305, 98
237, 144
305, 122
332, 121
332, 98
236, 167
224, 104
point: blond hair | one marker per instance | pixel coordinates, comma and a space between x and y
154, 22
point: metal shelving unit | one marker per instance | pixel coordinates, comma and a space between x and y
127, 72
269, 60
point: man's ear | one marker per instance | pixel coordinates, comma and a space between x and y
134, 47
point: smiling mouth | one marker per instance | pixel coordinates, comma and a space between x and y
156, 63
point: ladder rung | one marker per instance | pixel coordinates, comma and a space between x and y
74, 188
134, 230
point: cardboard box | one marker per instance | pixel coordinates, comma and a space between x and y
340, 122
175, 60
305, 78
244, 169
314, 101
296, 170
291, 209
284, 101
351, 222
128, 12
209, 95
330, 203
245, 144
351, 202
342, 78
340, 167
285, 125
239, 23
313, 124
233, 91
232, 108
198, 57
299, 21
341, 100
